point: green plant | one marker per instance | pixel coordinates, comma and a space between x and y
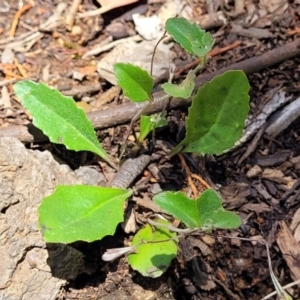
215, 121
150, 123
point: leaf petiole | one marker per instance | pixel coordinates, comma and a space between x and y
172, 228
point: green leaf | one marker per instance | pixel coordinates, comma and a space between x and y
135, 82
81, 212
149, 123
154, 257
59, 117
146, 126
213, 215
206, 212
179, 206
190, 36
184, 90
160, 120
217, 115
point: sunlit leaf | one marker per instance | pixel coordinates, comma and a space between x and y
135, 82
81, 212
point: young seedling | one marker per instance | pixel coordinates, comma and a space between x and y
137, 84
195, 41
203, 214
150, 123
214, 123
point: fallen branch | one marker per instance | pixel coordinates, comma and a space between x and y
124, 113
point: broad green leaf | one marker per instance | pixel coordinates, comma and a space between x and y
217, 115
206, 212
135, 82
146, 126
180, 207
149, 123
190, 36
213, 215
58, 117
153, 258
203, 46
184, 90
81, 212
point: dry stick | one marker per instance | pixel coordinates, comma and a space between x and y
124, 113
70, 18
154, 51
17, 18
188, 174
82, 90
201, 180
129, 171
20, 68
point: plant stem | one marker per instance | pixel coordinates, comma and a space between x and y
172, 228
137, 116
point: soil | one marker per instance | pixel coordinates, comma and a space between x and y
209, 266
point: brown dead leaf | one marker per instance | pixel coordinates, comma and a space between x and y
147, 203
197, 243
290, 250
297, 234
295, 225
107, 96
129, 225
235, 195
295, 220
278, 176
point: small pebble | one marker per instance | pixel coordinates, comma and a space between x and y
76, 30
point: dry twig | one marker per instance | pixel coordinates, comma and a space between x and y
18, 14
